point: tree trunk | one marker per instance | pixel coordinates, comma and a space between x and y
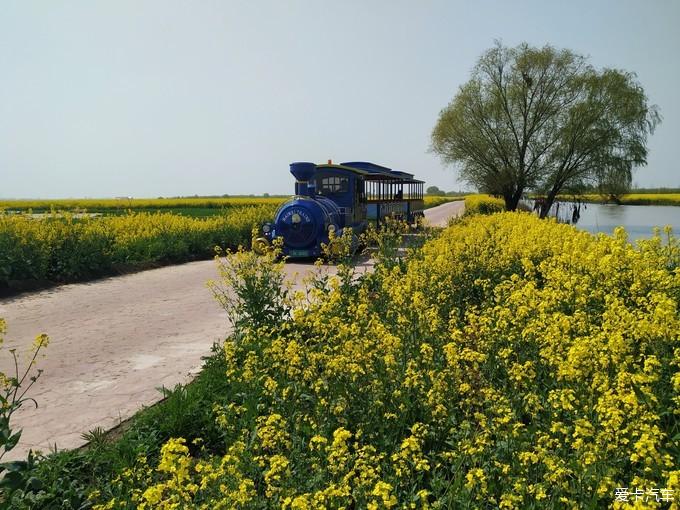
512, 199
517, 196
508, 201
547, 204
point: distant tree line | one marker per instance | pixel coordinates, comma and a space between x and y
435, 191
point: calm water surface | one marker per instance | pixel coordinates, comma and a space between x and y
638, 220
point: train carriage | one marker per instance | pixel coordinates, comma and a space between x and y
331, 197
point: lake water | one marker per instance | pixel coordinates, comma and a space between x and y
638, 220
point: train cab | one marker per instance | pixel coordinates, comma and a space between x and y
345, 186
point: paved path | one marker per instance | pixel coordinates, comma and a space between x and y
115, 340
440, 215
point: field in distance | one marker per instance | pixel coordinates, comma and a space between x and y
55, 244
638, 199
188, 206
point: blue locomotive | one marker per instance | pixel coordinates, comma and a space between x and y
329, 198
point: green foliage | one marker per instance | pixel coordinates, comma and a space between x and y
251, 288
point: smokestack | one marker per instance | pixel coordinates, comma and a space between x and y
303, 172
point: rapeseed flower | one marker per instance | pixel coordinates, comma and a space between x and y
522, 361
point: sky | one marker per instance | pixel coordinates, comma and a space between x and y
169, 98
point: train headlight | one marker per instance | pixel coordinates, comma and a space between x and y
331, 228
266, 228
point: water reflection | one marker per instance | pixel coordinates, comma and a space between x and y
638, 220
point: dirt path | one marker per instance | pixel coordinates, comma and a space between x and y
114, 341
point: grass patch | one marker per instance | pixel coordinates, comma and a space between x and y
185, 411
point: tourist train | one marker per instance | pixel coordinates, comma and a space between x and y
330, 198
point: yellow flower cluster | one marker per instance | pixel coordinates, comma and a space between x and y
67, 248
511, 362
482, 204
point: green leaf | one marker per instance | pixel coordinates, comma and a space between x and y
12, 441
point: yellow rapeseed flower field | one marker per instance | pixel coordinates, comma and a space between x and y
65, 247
511, 362
124, 204
640, 198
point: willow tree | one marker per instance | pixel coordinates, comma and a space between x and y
544, 120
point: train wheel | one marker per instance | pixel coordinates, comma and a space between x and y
261, 245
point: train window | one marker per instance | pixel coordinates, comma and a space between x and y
333, 184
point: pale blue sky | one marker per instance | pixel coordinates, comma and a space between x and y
150, 98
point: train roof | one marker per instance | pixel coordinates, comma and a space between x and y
372, 171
